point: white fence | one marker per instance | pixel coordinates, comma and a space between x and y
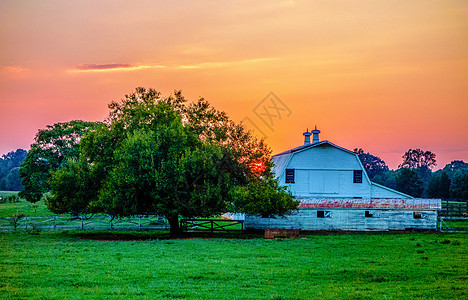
83, 223
444, 227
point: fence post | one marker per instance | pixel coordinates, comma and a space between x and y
139, 223
55, 226
26, 223
82, 223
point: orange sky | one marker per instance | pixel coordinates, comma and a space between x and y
384, 76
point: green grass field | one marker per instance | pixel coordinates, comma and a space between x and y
24, 207
332, 266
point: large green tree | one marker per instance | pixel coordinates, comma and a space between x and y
162, 155
52, 149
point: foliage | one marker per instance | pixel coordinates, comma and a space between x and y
327, 266
459, 186
9, 198
417, 158
266, 198
409, 182
450, 182
73, 187
456, 166
160, 155
15, 219
439, 186
52, 149
373, 165
387, 179
9, 172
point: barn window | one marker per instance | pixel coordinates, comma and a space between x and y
357, 176
369, 214
323, 214
417, 215
289, 175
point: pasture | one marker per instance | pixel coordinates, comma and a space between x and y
316, 266
22, 207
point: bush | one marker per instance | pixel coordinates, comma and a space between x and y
14, 219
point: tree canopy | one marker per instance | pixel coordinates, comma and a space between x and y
9, 170
52, 148
373, 165
409, 182
162, 155
417, 158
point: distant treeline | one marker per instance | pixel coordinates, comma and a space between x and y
10, 179
415, 177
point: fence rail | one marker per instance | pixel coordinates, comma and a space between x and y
454, 209
83, 223
211, 225
449, 224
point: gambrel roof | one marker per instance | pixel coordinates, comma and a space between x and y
280, 160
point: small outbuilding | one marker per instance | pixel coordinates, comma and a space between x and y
335, 193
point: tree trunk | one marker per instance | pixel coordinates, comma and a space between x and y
174, 226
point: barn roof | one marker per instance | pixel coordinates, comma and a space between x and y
280, 160
304, 147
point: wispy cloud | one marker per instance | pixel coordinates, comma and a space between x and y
133, 67
14, 69
110, 67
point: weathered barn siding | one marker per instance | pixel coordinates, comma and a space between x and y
349, 220
356, 215
409, 204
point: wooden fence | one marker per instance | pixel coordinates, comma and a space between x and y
83, 223
453, 209
211, 225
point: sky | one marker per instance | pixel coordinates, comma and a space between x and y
384, 76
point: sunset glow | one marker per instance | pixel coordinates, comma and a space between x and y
384, 76
257, 167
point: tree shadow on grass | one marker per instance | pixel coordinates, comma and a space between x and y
156, 235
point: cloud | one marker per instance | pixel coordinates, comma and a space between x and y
130, 67
110, 67
103, 66
14, 69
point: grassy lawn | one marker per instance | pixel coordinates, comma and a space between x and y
457, 223
24, 207
354, 266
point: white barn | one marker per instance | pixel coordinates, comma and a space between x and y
335, 193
